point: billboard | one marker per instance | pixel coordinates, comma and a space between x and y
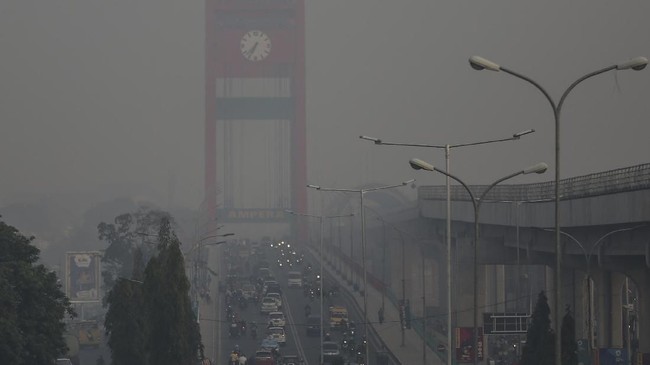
465, 342
82, 272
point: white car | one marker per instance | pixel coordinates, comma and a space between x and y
268, 305
331, 348
277, 333
294, 279
276, 296
248, 291
276, 319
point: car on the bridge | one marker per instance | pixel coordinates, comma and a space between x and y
270, 344
313, 326
331, 351
294, 279
292, 360
248, 291
276, 319
264, 357
277, 297
268, 305
277, 333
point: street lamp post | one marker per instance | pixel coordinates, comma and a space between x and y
476, 203
322, 259
587, 255
363, 245
480, 63
448, 148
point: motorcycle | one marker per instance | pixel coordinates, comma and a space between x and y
234, 330
307, 310
344, 345
254, 332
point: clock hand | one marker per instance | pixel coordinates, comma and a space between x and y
252, 50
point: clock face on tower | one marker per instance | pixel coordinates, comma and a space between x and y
255, 45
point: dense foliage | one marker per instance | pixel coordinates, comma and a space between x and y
540, 346
125, 321
32, 303
150, 318
127, 232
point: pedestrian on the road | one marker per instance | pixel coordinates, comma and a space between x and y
380, 314
242, 360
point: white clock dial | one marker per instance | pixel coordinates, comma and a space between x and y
255, 45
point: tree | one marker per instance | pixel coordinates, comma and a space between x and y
32, 303
125, 319
174, 336
569, 345
539, 348
128, 231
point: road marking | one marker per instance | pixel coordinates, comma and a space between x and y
294, 331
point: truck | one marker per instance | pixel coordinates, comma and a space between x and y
338, 314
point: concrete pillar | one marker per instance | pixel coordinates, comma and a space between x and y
495, 295
616, 313
463, 284
549, 289
601, 306
641, 278
581, 305
608, 303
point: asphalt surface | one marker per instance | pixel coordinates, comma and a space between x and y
294, 301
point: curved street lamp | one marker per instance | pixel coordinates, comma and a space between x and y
363, 244
480, 63
587, 255
539, 168
448, 148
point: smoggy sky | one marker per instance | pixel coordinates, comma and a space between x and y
106, 97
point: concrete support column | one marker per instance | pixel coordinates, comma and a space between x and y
581, 308
549, 288
463, 284
616, 314
601, 307
495, 296
641, 278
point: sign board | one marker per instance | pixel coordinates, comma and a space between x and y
584, 357
465, 342
82, 276
505, 323
251, 215
612, 356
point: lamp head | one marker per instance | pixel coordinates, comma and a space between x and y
523, 133
636, 64
418, 164
539, 168
317, 187
408, 182
372, 139
480, 63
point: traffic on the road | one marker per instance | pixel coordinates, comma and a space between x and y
272, 314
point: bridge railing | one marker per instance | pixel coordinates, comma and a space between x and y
601, 183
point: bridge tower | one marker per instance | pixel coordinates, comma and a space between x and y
255, 127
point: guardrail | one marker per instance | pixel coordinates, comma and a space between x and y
621, 180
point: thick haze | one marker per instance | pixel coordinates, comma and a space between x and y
107, 97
